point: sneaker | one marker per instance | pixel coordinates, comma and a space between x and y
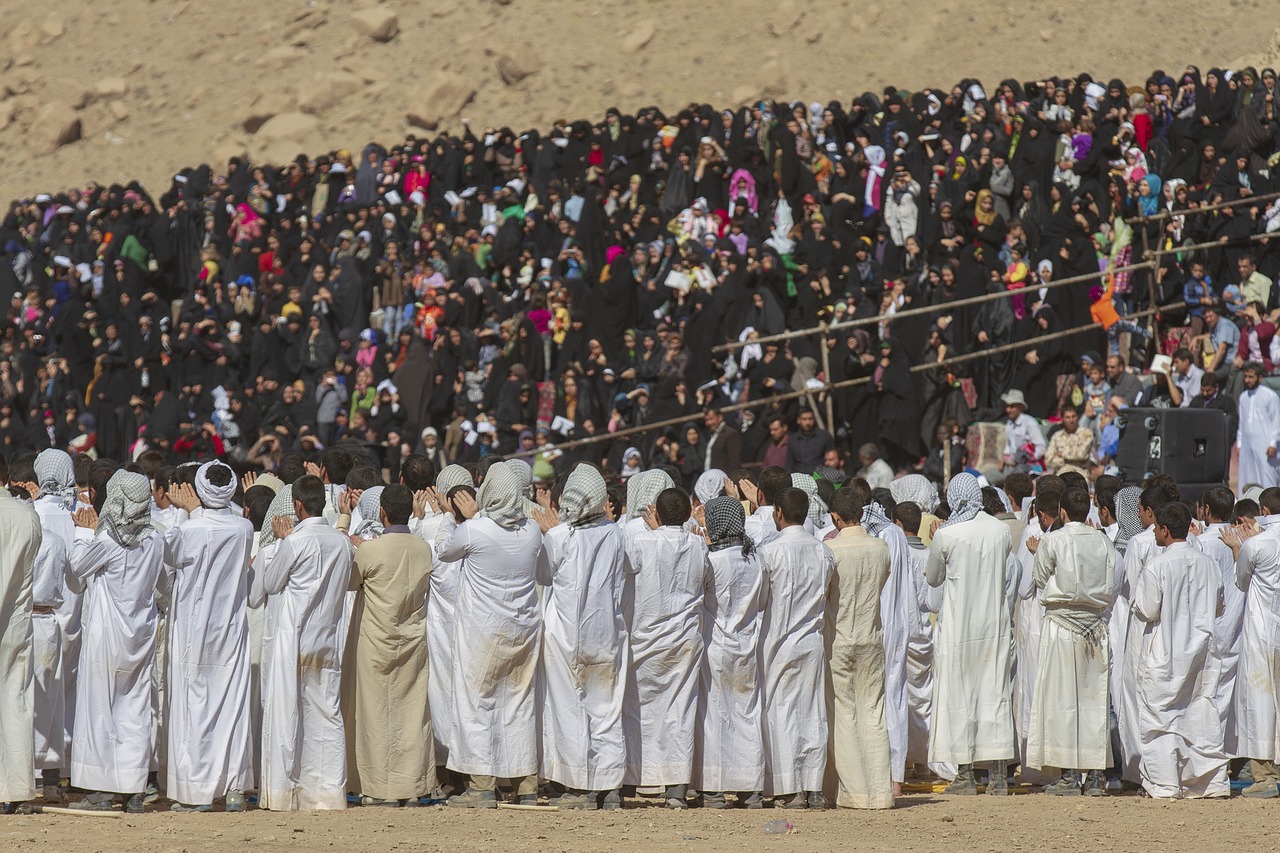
817, 801
473, 799
1067, 786
95, 803
611, 800
179, 807
235, 801
1264, 790
54, 795
1094, 785
137, 804
998, 782
151, 793
750, 800
795, 801
677, 797
714, 800
374, 801
576, 800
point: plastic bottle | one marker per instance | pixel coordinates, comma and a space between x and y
779, 826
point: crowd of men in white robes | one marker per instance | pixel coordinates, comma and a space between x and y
803, 640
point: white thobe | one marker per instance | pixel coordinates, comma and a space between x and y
496, 637
209, 713
667, 571
304, 748
49, 585
731, 724
973, 646
761, 530
20, 537
798, 569
1226, 631
897, 601
584, 656
442, 599
1258, 431
1177, 598
1125, 630
1028, 620
1070, 723
1257, 689
928, 601
56, 519
111, 746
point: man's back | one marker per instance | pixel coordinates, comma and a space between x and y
1075, 566
861, 569
798, 570
208, 555
317, 559
393, 571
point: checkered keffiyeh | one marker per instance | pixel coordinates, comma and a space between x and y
726, 524
583, 498
643, 489
451, 477
126, 515
710, 484
370, 508
916, 489
501, 497
1127, 507
964, 496
817, 506
281, 507
56, 477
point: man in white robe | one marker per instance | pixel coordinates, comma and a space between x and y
1028, 616
731, 725
668, 570
584, 646
1258, 433
58, 498
798, 568
761, 526
973, 649
1070, 723
1177, 598
117, 570
304, 585
1215, 509
20, 537
1257, 688
496, 639
207, 556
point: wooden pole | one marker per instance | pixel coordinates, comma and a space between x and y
826, 377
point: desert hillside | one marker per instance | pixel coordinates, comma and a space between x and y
140, 88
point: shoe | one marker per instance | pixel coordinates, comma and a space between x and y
412, 803
1094, 784
95, 803
151, 793
578, 801
235, 801
179, 807
964, 784
817, 801
473, 799
714, 800
611, 801
373, 801
1246, 773
137, 804
750, 800
677, 797
1067, 786
795, 801
525, 799
998, 783
54, 795
1264, 790
1114, 784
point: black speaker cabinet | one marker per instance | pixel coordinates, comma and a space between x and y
1190, 445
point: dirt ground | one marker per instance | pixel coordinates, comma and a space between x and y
932, 823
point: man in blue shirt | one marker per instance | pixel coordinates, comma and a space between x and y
1198, 293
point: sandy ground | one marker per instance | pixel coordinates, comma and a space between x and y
1124, 824
144, 87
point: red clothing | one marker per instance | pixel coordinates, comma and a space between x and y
1104, 310
1142, 130
776, 454
1265, 332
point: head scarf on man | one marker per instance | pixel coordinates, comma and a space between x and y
126, 515
524, 473
501, 497
56, 477
281, 507
726, 524
452, 477
916, 489
582, 500
710, 484
214, 497
643, 489
370, 508
964, 496
817, 506
1127, 507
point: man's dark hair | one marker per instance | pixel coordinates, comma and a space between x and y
1076, 502
363, 477
397, 503
483, 466
673, 472
1049, 502
1108, 481
150, 461
793, 504
254, 492
162, 479
1244, 508
1049, 481
258, 505
308, 490
99, 472
1106, 498
991, 503
848, 505
1018, 487
1074, 480
1176, 517
1218, 502
908, 515
860, 486
80, 469
417, 472
773, 482
673, 506
292, 466
22, 468
618, 499
1166, 482
1183, 354
1155, 497
743, 474
885, 498
1270, 500
336, 464
220, 475
185, 475
826, 491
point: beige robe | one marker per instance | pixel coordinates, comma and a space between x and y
390, 746
859, 774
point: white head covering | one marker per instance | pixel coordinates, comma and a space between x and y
281, 507
643, 489
452, 476
964, 496
808, 485
916, 489
710, 484
55, 474
126, 515
214, 497
501, 497
582, 501
370, 507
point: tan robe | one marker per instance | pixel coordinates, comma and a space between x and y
859, 734
390, 746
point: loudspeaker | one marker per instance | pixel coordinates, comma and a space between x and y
1190, 445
